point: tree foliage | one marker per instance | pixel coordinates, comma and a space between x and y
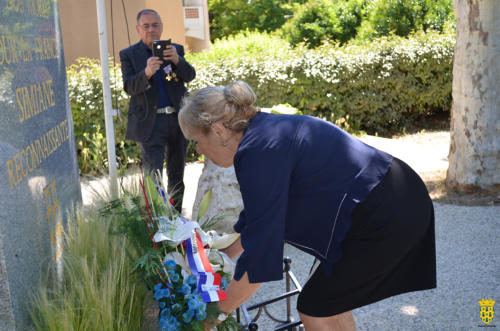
321, 20
228, 17
402, 17
314, 22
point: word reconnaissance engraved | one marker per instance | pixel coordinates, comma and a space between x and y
54, 218
40, 8
487, 313
34, 98
31, 156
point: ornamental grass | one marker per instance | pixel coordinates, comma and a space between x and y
97, 290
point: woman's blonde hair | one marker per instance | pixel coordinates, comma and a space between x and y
233, 105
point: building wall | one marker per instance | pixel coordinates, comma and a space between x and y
195, 44
80, 31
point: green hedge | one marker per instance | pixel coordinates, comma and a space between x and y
85, 93
377, 86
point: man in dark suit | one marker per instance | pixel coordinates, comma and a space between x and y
156, 89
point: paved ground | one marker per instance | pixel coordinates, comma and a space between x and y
468, 264
468, 260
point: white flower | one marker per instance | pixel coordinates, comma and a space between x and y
220, 261
174, 231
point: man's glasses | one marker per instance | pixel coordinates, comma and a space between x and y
147, 26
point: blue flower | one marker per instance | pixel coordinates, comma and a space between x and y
202, 306
170, 264
176, 308
162, 304
187, 317
193, 303
191, 281
201, 315
186, 289
174, 278
165, 312
158, 286
169, 324
162, 293
163, 323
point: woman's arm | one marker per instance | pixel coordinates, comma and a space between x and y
237, 293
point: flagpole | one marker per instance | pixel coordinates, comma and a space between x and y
108, 111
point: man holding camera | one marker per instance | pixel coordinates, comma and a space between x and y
156, 88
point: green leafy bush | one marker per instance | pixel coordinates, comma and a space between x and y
402, 17
229, 17
85, 93
322, 20
339, 21
374, 86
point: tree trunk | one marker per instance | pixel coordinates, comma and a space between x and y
474, 158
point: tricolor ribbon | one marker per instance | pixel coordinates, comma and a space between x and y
209, 282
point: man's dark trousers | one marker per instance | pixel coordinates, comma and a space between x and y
167, 143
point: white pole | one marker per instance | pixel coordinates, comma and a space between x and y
108, 115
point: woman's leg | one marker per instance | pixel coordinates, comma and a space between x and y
339, 322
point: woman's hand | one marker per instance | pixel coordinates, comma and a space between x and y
234, 249
237, 293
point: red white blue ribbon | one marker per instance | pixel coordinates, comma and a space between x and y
209, 283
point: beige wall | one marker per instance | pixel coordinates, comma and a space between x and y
79, 25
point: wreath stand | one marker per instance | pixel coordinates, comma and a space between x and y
288, 324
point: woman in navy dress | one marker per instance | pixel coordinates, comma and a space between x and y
364, 215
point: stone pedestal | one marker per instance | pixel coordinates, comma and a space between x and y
226, 196
39, 178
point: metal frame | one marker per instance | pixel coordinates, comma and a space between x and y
288, 324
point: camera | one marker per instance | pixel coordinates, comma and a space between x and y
159, 46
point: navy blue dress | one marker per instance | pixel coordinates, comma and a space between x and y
301, 180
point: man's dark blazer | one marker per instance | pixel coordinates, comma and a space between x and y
144, 93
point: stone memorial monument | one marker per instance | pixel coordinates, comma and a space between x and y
226, 197
39, 180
